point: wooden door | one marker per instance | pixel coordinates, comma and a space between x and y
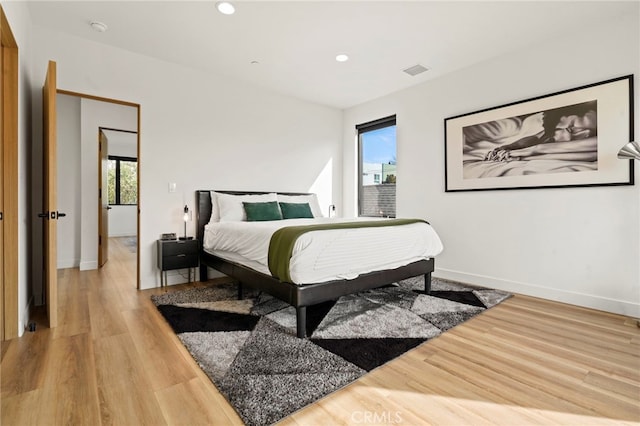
8, 181
103, 201
50, 194
2, 196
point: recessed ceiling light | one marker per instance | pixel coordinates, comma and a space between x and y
99, 26
342, 58
225, 8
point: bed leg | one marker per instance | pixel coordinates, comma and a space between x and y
203, 273
301, 321
427, 283
239, 290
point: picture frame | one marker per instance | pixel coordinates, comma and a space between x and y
564, 139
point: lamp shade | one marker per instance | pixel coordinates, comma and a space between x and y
630, 151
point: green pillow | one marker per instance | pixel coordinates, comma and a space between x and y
262, 211
296, 211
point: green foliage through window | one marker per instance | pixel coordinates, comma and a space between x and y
122, 180
111, 181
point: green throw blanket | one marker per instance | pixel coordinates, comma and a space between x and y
283, 240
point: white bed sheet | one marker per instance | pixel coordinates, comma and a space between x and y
320, 256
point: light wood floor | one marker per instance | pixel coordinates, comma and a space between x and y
113, 360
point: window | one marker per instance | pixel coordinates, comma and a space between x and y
122, 180
377, 168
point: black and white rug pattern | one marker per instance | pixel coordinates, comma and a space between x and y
250, 351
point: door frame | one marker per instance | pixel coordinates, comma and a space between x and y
103, 245
137, 106
9, 114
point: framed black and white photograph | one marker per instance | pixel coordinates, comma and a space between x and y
568, 138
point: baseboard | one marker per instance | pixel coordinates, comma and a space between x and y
88, 265
573, 298
68, 263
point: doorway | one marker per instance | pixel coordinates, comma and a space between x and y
87, 120
117, 189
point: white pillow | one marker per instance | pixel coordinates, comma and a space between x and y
312, 199
231, 209
215, 211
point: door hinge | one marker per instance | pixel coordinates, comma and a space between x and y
100, 240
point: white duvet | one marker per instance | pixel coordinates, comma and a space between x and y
320, 256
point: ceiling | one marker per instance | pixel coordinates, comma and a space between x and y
295, 42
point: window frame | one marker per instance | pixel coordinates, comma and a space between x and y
361, 129
118, 159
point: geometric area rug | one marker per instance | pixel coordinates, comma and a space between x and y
250, 351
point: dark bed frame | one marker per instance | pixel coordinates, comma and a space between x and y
299, 296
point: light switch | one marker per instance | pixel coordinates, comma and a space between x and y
172, 187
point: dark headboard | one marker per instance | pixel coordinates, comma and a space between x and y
203, 200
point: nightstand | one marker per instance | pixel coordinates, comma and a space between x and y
176, 254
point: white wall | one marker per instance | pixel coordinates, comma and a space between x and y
576, 245
20, 23
201, 131
122, 221
122, 144
68, 180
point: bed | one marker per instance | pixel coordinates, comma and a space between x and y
298, 295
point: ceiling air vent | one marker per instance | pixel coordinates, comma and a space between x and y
415, 70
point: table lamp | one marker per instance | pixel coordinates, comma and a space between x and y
186, 217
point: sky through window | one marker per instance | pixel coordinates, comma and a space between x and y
379, 146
